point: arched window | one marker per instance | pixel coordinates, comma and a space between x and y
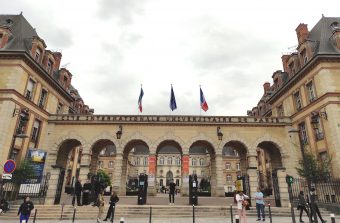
169, 161
138, 161
227, 165
145, 161
201, 162
161, 161
193, 162
178, 161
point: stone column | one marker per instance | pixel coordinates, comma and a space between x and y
185, 175
52, 185
253, 175
84, 167
118, 185
283, 186
152, 175
217, 172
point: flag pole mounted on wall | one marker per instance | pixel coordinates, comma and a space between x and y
140, 99
173, 104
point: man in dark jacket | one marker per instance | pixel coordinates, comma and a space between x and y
172, 189
111, 212
78, 188
86, 192
25, 209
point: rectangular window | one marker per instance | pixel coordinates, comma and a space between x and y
111, 164
280, 111
297, 99
318, 132
29, 89
238, 166
37, 55
303, 133
23, 119
310, 91
59, 108
100, 164
202, 173
228, 166
49, 66
35, 131
43, 97
229, 178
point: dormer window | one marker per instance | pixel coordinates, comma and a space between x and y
37, 55
49, 66
291, 67
304, 57
335, 26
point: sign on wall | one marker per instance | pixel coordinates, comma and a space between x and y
37, 158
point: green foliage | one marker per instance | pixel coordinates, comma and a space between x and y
23, 171
315, 170
205, 185
104, 178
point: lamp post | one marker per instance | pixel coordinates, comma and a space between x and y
311, 198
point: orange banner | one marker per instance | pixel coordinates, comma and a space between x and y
152, 165
185, 165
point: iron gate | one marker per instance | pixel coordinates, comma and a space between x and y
59, 186
276, 189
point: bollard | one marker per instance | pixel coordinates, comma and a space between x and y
121, 220
270, 213
237, 219
62, 211
150, 216
231, 213
74, 214
35, 215
332, 218
193, 213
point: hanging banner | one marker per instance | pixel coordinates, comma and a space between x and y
37, 159
152, 166
185, 163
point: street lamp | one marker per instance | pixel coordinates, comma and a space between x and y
312, 201
119, 132
219, 133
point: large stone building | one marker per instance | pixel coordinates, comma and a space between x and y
40, 109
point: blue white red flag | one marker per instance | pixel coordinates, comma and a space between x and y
173, 105
204, 104
140, 105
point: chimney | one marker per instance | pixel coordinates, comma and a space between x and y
302, 33
266, 87
57, 57
284, 59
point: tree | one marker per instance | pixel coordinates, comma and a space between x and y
104, 178
23, 171
315, 170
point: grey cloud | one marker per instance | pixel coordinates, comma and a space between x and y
124, 10
55, 36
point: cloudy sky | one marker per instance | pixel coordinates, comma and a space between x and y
113, 46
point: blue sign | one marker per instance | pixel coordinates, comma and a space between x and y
9, 166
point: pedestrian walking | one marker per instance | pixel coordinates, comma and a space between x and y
302, 205
172, 189
100, 204
260, 205
314, 206
111, 212
97, 189
78, 188
242, 204
86, 192
25, 210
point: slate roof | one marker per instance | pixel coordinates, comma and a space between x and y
22, 32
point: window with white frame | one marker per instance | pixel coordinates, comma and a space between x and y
229, 178
161, 161
37, 55
110, 164
318, 131
193, 162
30, 89
303, 133
145, 161
228, 166
42, 99
169, 161
178, 161
298, 102
138, 161
35, 131
202, 173
100, 164
238, 166
201, 162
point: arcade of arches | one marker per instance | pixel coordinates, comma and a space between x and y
169, 152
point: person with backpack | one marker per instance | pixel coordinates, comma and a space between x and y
242, 203
25, 210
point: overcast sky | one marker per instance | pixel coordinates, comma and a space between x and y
113, 46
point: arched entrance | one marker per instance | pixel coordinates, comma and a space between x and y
169, 165
202, 163
68, 161
269, 162
135, 162
234, 156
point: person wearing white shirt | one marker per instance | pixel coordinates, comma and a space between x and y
242, 202
260, 205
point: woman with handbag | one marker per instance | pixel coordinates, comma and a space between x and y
302, 205
242, 204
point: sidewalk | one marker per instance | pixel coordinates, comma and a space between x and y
173, 220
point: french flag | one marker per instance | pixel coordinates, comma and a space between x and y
204, 104
140, 105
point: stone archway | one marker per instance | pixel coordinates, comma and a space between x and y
135, 161
203, 163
